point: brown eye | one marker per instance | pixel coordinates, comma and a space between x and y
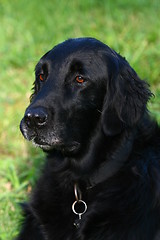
79, 79
41, 77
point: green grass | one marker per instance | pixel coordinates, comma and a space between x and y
30, 28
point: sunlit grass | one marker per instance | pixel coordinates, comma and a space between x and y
30, 28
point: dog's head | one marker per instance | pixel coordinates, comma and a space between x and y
81, 87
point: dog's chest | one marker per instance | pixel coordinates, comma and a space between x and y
90, 217
105, 210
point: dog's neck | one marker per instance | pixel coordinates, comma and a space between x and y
113, 161
97, 166
104, 157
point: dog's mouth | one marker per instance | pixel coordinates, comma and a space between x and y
56, 144
42, 143
52, 142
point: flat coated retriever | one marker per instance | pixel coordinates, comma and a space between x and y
101, 179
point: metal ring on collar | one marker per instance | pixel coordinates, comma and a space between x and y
77, 193
85, 208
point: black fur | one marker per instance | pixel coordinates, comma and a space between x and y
97, 134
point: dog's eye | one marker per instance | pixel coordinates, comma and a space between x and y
80, 79
41, 77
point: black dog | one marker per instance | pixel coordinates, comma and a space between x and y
102, 176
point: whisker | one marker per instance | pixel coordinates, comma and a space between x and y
99, 111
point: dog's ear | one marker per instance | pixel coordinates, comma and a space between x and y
125, 100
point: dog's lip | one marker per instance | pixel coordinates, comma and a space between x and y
56, 143
42, 142
72, 147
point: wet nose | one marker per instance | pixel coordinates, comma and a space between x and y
36, 117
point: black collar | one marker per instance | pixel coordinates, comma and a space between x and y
106, 170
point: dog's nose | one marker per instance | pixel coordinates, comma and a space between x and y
35, 117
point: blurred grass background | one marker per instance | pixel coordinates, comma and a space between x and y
30, 28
